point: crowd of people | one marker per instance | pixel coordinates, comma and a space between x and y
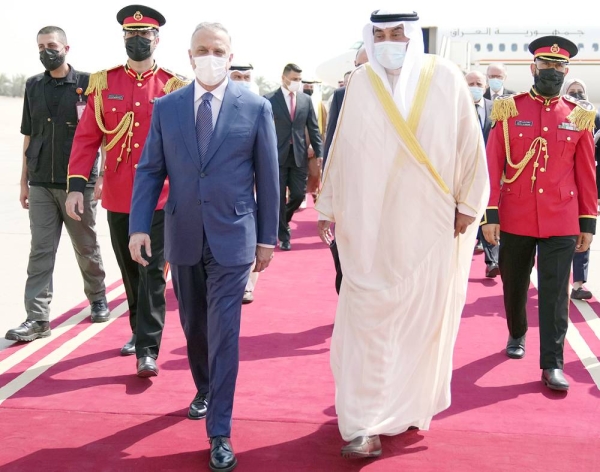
203, 178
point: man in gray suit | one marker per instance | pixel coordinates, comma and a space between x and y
294, 113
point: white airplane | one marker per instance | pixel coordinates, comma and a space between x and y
475, 48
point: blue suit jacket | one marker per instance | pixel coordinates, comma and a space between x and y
334, 113
215, 199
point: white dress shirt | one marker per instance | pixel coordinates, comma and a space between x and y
480, 105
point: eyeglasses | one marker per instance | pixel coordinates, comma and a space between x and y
148, 34
559, 66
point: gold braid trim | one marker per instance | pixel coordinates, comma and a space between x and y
504, 108
98, 82
538, 144
582, 118
174, 83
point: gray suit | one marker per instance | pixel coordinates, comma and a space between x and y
292, 150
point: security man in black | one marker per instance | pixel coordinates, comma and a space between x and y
52, 105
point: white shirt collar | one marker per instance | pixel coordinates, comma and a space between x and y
217, 93
286, 92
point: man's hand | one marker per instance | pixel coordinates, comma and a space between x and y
583, 242
263, 258
461, 222
98, 188
325, 231
24, 195
311, 152
74, 205
136, 242
491, 233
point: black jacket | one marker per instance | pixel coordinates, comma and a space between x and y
51, 138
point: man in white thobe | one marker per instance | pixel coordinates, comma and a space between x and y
406, 179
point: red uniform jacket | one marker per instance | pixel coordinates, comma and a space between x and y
555, 193
125, 100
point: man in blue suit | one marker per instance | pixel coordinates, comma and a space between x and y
216, 142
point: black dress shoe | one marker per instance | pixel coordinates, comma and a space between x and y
492, 270
478, 248
554, 379
198, 407
146, 367
515, 347
222, 458
581, 294
100, 312
28, 331
285, 246
129, 348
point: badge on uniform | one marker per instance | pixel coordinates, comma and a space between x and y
523, 123
112, 96
569, 126
80, 105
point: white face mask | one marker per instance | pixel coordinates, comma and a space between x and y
390, 54
243, 83
210, 70
294, 86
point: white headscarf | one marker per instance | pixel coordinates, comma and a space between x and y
570, 82
411, 69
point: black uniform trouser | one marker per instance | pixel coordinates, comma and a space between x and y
144, 286
555, 255
293, 177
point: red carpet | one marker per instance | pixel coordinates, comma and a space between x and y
90, 412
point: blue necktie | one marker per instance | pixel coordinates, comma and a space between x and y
204, 126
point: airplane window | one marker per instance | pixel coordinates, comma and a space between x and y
526, 47
477, 47
595, 47
490, 47
514, 47
502, 47
580, 46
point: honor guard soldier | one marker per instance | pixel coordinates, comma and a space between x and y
543, 197
120, 103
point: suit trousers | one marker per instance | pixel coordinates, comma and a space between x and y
490, 251
293, 177
581, 263
144, 286
210, 305
555, 255
47, 214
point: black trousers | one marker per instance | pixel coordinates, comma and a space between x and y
338, 267
144, 286
293, 177
555, 255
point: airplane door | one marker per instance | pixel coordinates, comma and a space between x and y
458, 52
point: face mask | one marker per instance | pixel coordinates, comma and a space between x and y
578, 95
548, 82
294, 86
138, 48
476, 92
244, 84
308, 91
210, 70
52, 59
390, 54
496, 84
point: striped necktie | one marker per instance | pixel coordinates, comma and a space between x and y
204, 125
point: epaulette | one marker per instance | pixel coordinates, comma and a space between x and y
175, 82
583, 115
99, 81
504, 107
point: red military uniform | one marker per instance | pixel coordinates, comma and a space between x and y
543, 185
119, 110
